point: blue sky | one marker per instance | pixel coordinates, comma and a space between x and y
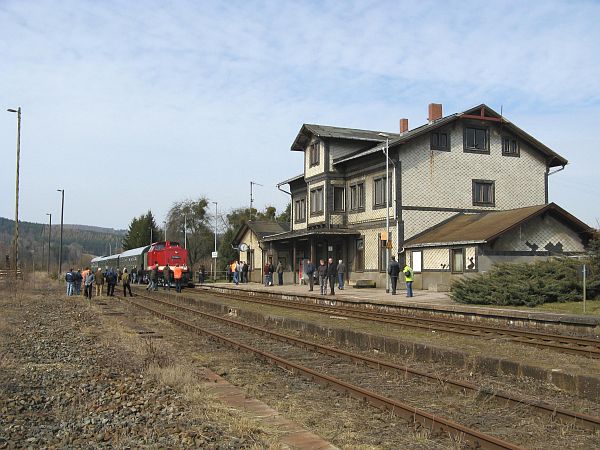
131, 106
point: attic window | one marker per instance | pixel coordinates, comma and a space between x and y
476, 140
440, 141
510, 146
313, 154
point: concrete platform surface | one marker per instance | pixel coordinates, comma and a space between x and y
439, 302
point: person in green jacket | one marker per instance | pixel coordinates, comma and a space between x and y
408, 277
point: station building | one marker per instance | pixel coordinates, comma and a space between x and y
463, 191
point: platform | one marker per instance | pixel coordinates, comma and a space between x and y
429, 302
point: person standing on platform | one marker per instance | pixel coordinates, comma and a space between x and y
280, 273
310, 271
332, 275
167, 277
237, 271
154, 277
393, 272
78, 279
89, 284
271, 272
70, 279
408, 277
322, 271
201, 274
245, 272
126, 283
99, 282
177, 276
140, 275
341, 270
111, 279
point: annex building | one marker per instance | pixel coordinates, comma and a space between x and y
465, 191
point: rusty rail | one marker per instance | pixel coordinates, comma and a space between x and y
475, 438
568, 344
584, 420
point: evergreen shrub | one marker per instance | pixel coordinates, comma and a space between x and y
528, 284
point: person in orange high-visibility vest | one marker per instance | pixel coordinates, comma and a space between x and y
177, 275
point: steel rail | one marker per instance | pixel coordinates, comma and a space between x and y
475, 438
586, 347
584, 420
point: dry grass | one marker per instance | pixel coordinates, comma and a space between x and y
159, 363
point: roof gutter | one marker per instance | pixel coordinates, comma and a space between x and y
557, 170
443, 244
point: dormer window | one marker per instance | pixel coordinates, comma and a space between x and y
313, 154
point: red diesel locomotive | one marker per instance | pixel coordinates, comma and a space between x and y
161, 253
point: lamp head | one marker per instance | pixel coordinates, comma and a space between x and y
12, 110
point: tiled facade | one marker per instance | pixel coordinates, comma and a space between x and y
427, 186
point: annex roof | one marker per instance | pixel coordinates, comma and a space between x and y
480, 112
291, 180
479, 228
326, 131
261, 229
318, 231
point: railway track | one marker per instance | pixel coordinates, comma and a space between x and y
581, 346
475, 437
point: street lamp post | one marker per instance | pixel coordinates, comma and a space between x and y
62, 209
387, 210
16, 237
252, 198
49, 236
215, 263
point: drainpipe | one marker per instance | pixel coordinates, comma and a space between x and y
291, 206
546, 175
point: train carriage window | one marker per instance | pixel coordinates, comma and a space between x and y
174, 244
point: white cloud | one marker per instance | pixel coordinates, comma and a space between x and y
115, 92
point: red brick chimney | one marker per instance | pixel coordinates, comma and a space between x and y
403, 125
435, 111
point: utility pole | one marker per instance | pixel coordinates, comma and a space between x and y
16, 237
584, 287
387, 209
62, 209
185, 232
49, 236
251, 197
215, 253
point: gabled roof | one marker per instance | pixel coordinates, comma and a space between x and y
261, 229
484, 227
480, 112
325, 131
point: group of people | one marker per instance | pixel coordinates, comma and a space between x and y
98, 279
328, 274
169, 275
394, 272
111, 277
237, 271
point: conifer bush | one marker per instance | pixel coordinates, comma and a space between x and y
528, 284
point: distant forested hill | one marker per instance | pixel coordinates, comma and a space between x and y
79, 241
